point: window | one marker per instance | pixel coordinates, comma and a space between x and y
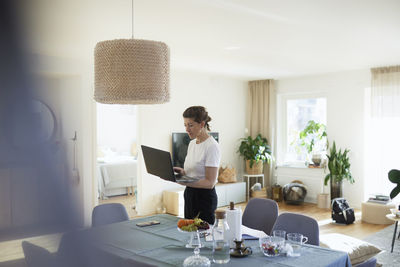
382, 143
295, 113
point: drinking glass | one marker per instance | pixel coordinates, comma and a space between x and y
279, 233
296, 240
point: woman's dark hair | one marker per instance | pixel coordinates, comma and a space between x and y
198, 114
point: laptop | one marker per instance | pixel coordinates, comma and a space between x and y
158, 162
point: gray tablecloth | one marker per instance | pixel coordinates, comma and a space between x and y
164, 245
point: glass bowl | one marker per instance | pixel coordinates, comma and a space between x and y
271, 246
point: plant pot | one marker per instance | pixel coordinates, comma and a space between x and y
316, 159
336, 188
256, 169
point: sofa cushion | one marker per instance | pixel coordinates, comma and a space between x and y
358, 250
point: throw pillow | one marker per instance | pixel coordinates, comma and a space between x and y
358, 250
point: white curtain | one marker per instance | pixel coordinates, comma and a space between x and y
383, 130
261, 108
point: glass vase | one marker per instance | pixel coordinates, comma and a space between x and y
336, 188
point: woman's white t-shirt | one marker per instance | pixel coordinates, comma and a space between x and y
199, 156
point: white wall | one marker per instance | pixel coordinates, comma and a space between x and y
116, 129
68, 89
225, 100
345, 118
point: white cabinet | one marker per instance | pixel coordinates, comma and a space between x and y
174, 202
235, 192
221, 193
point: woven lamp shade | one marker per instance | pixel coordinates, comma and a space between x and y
131, 71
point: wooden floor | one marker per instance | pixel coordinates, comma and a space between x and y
11, 250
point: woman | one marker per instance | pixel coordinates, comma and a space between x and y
202, 161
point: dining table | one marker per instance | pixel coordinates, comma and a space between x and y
164, 245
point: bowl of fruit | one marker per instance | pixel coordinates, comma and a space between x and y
193, 227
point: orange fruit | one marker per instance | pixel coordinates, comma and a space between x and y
181, 223
184, 222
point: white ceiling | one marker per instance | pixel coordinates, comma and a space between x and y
250, 39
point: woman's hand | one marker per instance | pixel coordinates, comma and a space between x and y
179, 170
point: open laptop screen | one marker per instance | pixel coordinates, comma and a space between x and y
158, 163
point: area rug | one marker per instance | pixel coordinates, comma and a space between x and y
383, 240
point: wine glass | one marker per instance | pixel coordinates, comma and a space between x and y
196, 259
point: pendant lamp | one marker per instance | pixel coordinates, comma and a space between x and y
131, 71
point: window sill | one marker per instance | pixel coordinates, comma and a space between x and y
291, 166
300, 172
296, 166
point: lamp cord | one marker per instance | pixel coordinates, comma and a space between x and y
132, 19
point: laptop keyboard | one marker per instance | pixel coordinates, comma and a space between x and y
186, 179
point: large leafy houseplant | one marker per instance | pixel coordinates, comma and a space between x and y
255, 149
339, 170
338, 165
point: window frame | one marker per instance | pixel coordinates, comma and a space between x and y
282, 100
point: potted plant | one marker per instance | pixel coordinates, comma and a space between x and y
339, 170
313, 132
313, 138
256, 152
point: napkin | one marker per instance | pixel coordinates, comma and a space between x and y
249, 237
288, 250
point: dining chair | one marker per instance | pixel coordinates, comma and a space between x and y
72, 250
260, 214
298, 223
36, 256
109, 213
76, 250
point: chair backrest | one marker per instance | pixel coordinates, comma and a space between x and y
36, 256
260, 214
109, 213
72, 250
297, 223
